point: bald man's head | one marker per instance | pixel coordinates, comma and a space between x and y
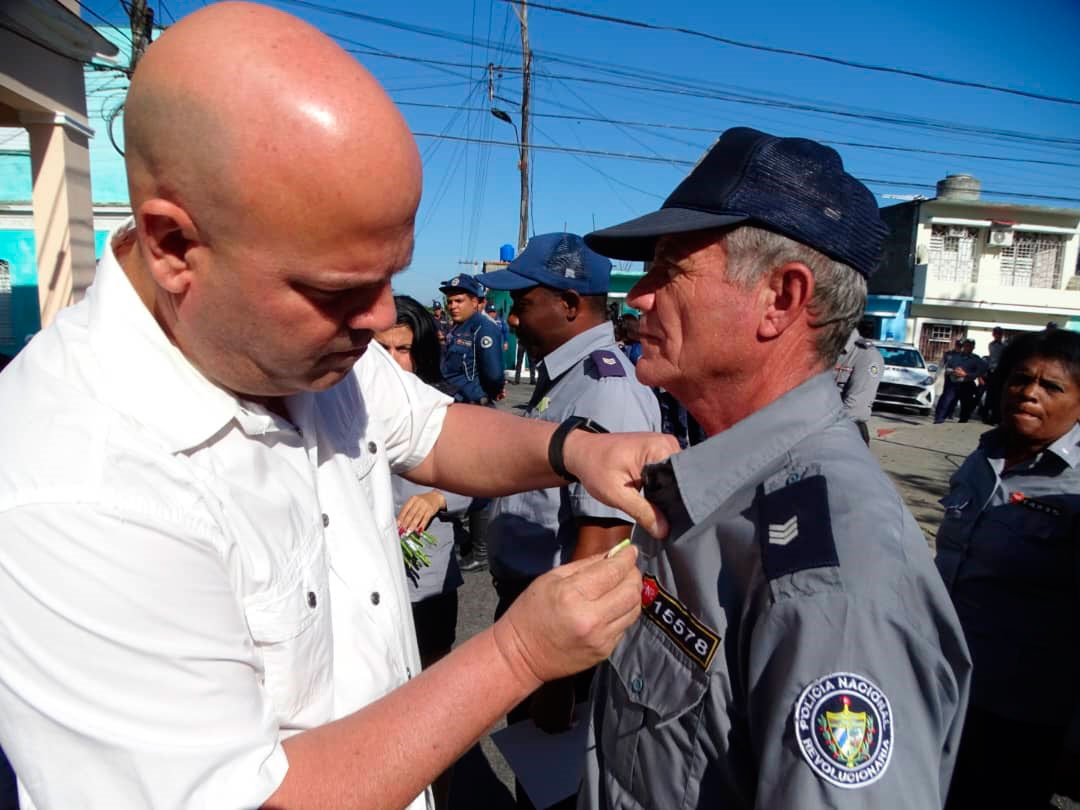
238, 103
274, 186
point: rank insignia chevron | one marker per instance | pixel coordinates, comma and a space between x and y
781, 534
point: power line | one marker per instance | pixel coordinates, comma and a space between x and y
713, 131
681, 162
40, 44
676, 86
120, 31
803, 54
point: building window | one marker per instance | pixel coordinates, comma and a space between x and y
953, 253
1033, 260
937, 338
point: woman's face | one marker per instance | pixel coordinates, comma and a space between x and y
1041, 400
398, 341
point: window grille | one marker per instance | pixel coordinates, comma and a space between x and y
1033, 260
953, 254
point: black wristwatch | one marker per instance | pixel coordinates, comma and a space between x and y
558, 439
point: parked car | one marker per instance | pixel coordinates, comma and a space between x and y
906, 379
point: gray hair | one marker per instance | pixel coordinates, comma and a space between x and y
839, 291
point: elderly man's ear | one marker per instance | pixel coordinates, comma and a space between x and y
785, 297
166, 236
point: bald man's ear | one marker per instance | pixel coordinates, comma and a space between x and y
785, 296
166, 236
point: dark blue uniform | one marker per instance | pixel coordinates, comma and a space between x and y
472, 363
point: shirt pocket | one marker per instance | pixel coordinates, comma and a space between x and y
290, 625
653, 718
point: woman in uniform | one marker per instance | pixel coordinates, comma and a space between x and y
1009, 552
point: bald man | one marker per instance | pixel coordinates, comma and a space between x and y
202, 599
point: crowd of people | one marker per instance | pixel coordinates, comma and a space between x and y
231, 477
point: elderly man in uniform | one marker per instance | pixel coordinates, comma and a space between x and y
202, 593
858, 375
473, 360
796, 647
559, 291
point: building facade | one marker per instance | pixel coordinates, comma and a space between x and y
957, 266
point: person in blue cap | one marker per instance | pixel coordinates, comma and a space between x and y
473, 360
559, 292
796, 648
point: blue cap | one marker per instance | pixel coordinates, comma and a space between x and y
463, 283
557, 260
793, 186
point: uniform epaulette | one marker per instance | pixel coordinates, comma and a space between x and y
864, 343
795, 529
606, 364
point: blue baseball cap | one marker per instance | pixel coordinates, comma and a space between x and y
463, 283
793, 186
561, 261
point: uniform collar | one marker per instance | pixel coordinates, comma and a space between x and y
709, 473
1066, 448
558, 361
146, 376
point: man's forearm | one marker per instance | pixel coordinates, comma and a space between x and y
512, 457
385, 754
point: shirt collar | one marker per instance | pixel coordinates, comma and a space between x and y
1066, 448
565, 356
710, 472
145, 375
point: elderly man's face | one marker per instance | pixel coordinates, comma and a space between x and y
695, 326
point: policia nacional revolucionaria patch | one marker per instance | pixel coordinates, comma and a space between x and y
675, 622
844, 729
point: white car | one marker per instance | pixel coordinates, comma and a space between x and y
906, 379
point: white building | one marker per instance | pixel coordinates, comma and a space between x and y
957, 266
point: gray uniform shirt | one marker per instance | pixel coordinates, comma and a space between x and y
796, 647
858, 374
532, 532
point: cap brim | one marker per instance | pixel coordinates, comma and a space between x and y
636, 239
507, 280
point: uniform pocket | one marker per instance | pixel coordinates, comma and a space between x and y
290, 624
652, 719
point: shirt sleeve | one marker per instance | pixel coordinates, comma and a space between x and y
489, 359
128, 678
621, 405
804, 642
411, 412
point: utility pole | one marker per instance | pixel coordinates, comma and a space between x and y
522, 11
142, 25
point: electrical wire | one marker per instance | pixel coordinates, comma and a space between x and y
802, 54
676, 161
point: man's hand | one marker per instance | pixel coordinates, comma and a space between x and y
570, 618
610, 465
419, 510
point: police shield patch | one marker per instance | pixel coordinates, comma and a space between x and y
486, 342
843, 725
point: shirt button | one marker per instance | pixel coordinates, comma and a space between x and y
325, 520
637, 684
374, 597
312, 601
371, 447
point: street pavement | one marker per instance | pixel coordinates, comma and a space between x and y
918, 456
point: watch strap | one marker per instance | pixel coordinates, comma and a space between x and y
558, 439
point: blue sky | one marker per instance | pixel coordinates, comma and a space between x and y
471, 194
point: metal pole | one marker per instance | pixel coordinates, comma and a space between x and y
523, 162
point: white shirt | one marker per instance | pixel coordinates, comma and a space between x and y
185, 578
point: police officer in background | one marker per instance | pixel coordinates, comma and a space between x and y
963, 370
858, 374
472, 362
797, 648
559, 291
